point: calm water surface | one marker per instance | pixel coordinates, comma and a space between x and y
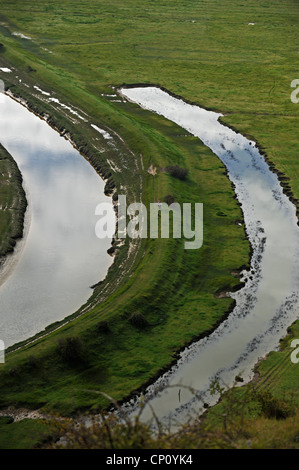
268, 303
54, 267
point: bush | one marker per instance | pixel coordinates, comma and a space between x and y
177, 172
15, 371
33, 362
273, 407
169, 199
138, 320
30, 69
70, 349
103, 327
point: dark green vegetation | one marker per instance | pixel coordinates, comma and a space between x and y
278, 373
206, 52
266, 411
177, 171
12, 201
261, 415
244, 422
24, 434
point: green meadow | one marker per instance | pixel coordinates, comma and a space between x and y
13, 203
207, 52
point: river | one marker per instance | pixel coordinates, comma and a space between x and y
50, 274
266, 305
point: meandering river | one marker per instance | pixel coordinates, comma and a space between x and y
60, 257
50, 274
267, 304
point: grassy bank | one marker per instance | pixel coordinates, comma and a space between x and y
174, 289
175, 311
13, 203
24, 434
208, 53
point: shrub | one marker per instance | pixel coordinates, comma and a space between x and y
33, 362
30, 69
177, 172
138, 320
15, 371
70, 349
103, 327
273, 407
169, 199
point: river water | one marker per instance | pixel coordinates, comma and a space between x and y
267, 304
50, 274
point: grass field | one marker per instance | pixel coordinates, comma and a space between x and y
13, 203
24, 434
209, 53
